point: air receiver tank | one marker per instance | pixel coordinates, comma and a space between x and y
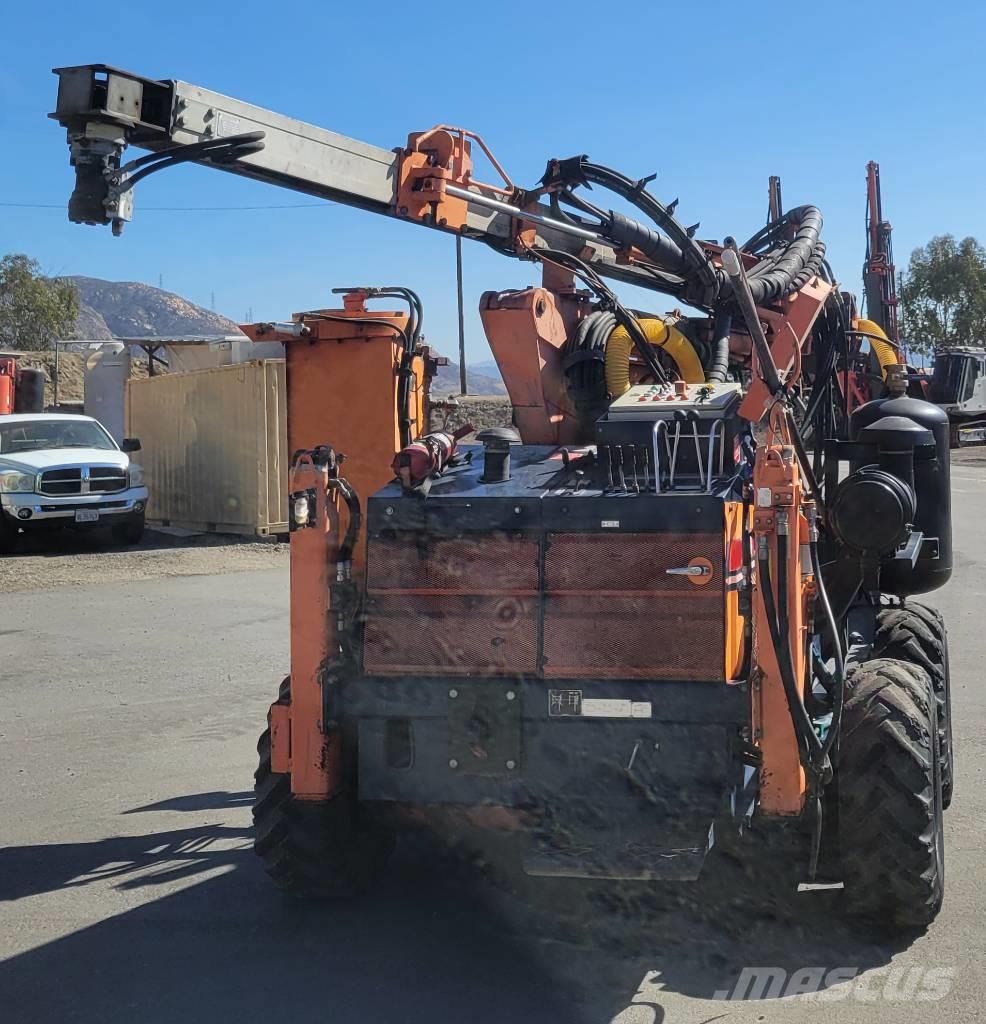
932, 489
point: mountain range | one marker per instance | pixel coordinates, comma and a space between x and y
130, 309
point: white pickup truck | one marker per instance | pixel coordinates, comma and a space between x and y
60, 471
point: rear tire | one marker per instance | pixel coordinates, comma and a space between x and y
916, 633
890, 802
312, 849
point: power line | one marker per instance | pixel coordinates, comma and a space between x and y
178, 209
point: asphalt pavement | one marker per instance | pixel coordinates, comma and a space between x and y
129, 893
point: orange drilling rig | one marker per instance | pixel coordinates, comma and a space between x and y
671, 606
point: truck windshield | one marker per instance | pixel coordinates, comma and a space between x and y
949, 383
34, 435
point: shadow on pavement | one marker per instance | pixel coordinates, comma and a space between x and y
427, 945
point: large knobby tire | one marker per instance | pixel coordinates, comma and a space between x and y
890, 806
313, 849
916, 633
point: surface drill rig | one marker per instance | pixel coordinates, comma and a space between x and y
670, 607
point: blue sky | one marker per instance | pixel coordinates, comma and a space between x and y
713, 96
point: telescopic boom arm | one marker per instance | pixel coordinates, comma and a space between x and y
429, 181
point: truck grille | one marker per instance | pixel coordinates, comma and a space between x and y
83, 480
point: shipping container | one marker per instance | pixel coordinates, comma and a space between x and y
214, 447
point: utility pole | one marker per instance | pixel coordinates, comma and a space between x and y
462, 323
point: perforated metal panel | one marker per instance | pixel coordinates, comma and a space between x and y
612, 609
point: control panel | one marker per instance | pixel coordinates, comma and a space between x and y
655, 401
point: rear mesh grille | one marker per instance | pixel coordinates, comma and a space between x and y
607, 607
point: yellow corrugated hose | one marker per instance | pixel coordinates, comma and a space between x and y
659, 334
884, 349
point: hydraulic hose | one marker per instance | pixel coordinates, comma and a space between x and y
733, 266
660, 335
784, 271
811, 745
693, 262
721, 326
886, 354
839, 681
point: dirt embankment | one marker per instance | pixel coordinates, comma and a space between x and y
481, 411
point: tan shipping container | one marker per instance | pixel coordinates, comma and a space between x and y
214, 447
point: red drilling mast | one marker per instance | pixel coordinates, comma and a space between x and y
879, 274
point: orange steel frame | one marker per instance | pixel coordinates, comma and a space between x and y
342, 381
779, 498
342, 392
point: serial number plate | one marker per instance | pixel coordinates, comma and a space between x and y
571, 704
86, 516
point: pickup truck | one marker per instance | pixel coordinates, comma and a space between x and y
60, 471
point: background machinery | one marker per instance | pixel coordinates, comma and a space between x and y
672, 605
958, 383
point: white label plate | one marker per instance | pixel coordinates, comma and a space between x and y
594, 707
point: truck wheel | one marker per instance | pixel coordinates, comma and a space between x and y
131, 531
312, 849
890, 807
915, 633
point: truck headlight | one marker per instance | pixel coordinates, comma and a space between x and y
14, 482
135, 475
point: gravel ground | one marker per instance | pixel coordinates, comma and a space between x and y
66, 560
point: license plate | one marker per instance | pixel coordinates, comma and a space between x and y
86, 516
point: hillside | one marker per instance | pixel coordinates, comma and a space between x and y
446, 381
130, 309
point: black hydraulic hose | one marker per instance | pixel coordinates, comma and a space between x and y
623, 316
805, 464
839, 676
782, 647
693, 256
221, 150
721, 326
769, 282
349, 495
732, 264
658, 247
794, 263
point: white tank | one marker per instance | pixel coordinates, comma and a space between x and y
107, 373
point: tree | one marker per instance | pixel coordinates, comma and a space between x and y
34, 310
943, 295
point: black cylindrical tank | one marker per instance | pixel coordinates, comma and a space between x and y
932, 488
29, 392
